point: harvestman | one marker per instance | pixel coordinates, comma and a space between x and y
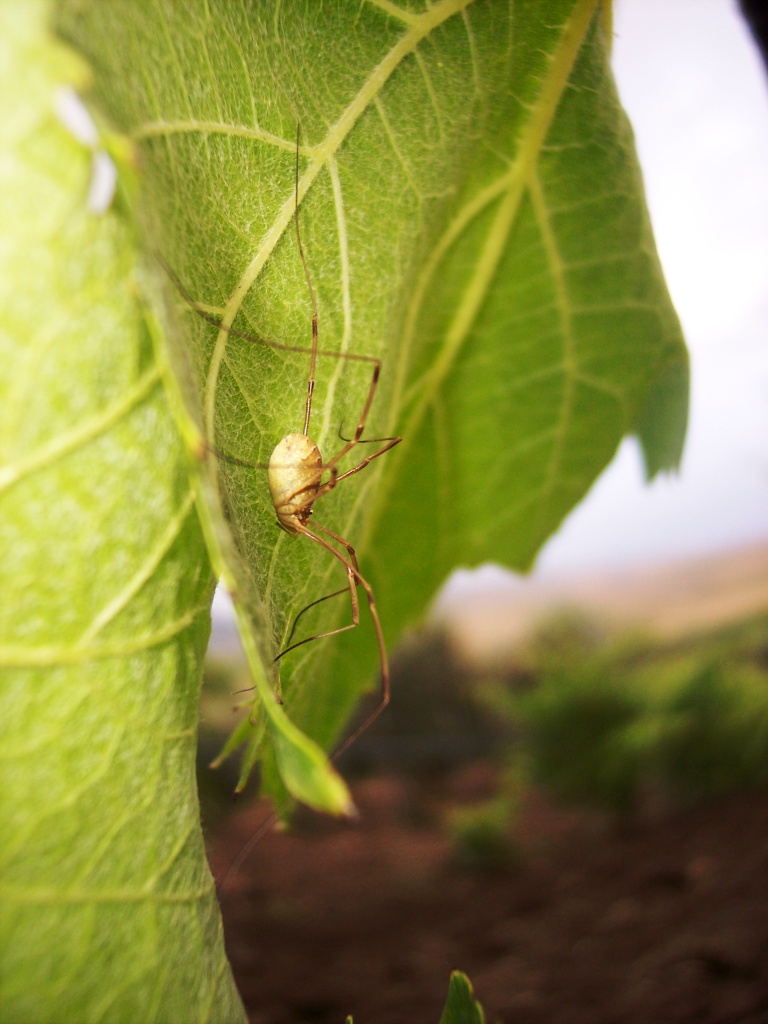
295, 476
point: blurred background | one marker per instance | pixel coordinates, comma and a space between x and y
567, 797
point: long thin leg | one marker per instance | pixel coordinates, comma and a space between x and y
354, 578
306, 608
352, 581
281, 347
366, 461
232, 460
336, 476
349, 564
355, 439
215, 321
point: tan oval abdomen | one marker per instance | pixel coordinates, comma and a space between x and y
294, 478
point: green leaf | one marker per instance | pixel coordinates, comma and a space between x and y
107, 908
461, 1006
472, 214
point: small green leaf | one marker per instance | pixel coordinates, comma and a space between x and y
461, 1006
472, 214
108, 911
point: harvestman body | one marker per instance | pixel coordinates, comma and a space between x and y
295, 477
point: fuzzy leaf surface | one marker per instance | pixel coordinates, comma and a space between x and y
107, 908
472, 214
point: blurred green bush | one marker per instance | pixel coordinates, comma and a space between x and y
611, 719
593, 718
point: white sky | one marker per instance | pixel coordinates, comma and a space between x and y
692, 82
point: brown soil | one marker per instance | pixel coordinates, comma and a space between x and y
664, 921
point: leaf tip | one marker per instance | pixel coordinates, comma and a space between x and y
662, 423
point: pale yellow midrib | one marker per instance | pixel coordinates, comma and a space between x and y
528, 152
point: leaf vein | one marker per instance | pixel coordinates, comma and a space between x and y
397, 12
153, 129
431, 91
142, 575
529, 147
346, 297
69, 441
51, 657
557, 273
395, 147
58, 897
421, 26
